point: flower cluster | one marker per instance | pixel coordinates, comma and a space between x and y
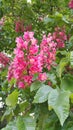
31, 58
19, 26
60, 37
4, 60
71, 4
48, 51
28, 27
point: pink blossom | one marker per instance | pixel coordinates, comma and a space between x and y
28, 35
31, 58
42, 77
71, 4
4, 60
33, 49
48, 51
34, 41
19, 26
21, 85
60, 37
28, 79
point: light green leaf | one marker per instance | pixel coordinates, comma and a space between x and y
21, 123
61, 66
59, 101
27, 123
42, 94
67, 83
48, 20
52, 78
71, 97
12, 99
12, 81
64, 18
71, 39
7, 115
11, 126
30, 123
57, 14
71, 58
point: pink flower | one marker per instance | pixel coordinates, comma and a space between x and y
42, 77
28, 35
19, 26
71, 4
34, 41
48, 51
21, 85
33, 49
10, 71
31, 58
60, 37
28, 79
4, 60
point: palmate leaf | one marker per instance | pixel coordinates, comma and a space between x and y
21, 123
42, 94
59, 101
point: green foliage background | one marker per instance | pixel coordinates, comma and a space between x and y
51, 108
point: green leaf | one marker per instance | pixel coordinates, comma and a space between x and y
48, 20
52, 78
35, 85
64, 18
12, 99
71, 97
21, 123
7, 115
59, 101
67, 83
71, 58
11, 126
61, 66
12, 81
23, 105
59, 15
71, 39
42, 94
30, 123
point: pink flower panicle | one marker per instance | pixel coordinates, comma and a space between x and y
60, 37
30, 59
19, 26
71, 4
48, 51
4, 60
